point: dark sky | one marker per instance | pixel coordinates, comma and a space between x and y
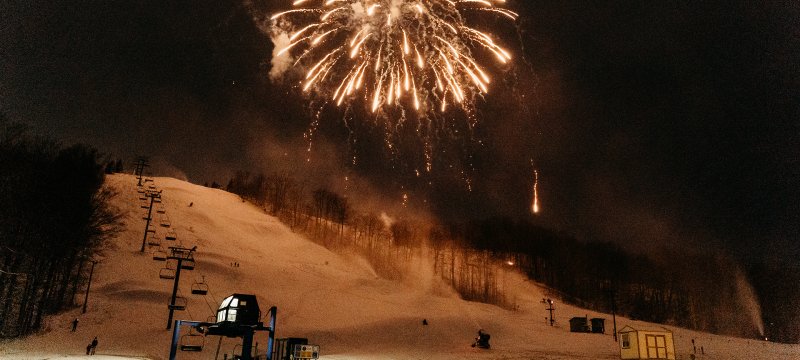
651, 122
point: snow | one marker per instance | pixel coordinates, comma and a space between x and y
334, 300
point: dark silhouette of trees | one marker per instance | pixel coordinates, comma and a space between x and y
53, 219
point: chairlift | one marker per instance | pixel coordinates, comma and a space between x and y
140, 190
187, 264
153, 240
200, 288
157, 200
171, 235
160, 255
180, 304
192, 341
166, 273
164, 221
161, 209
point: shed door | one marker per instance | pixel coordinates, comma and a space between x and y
656, 346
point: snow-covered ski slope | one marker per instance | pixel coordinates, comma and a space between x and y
335, 300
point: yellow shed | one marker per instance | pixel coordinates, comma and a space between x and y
646, 343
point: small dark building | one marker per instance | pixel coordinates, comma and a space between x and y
235, 315
241, 309
598, 325
578, 324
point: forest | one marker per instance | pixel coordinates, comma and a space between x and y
53, 221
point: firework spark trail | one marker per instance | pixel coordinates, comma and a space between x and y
535, 203
415, 53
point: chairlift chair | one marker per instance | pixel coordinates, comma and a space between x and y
192, 342
187, 264
171, 235
160, 255
153, 240
200, 288
180, 304
161, 209
166, 273
164, 221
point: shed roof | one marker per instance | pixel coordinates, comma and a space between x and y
629, 328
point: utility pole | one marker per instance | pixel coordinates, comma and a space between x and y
549, 303
180, 254
152, 195
86, 298
614, 311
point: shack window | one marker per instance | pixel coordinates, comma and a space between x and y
226, 302
656, 346
626, 341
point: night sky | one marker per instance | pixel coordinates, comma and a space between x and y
666, 123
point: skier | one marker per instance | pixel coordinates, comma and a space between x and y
74, 324
94, 345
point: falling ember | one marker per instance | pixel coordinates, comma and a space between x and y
423, 48
535, 204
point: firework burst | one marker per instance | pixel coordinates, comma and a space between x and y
417, 53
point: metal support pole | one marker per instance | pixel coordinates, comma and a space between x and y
247, 344
273, 312
175, 336
550, 308
141, 163
86, 298
147, 223
174, 293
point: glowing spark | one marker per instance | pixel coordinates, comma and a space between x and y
425, 48
535, 204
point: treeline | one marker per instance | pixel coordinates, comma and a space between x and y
473, 256
393, 247
54, 216
684, 288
